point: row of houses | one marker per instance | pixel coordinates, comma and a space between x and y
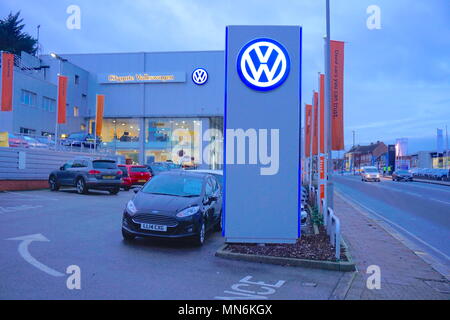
382, 156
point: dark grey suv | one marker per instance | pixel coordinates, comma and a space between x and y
87, 173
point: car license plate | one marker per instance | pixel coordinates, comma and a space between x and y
142, 181
109, 177
153, 227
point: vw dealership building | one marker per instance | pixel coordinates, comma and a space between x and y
159, 106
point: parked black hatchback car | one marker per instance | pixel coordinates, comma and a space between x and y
87, 173
174, 204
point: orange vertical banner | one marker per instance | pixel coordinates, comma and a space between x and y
7, 81
316, 123
322, 112
337, 94
62, 99
100, 108
308, 124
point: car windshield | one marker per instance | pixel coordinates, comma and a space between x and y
158, 168
174, 185
371, 170
139, 169
104, 164
219, 178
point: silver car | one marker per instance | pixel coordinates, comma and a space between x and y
87, 173
370, 174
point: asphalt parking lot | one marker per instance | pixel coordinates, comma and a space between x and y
85, 231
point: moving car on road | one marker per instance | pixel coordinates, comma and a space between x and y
174, 204
370, 174
134, 175
402, 175
87, 173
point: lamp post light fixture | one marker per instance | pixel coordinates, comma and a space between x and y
61, 61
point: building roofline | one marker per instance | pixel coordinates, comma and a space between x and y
136, 52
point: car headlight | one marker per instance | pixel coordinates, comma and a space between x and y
188, 212
378, 175
131, 208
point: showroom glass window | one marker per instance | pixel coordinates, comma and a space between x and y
173, 139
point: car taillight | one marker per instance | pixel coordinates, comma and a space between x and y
92, 172
119, 173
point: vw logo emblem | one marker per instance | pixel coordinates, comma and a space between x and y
263, 64
200, 76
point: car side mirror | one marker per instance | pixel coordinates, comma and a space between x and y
137, 189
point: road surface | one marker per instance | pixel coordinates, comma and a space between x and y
419, 212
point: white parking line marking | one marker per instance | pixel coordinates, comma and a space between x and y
24, 207
33, 197
23, 251
261, 290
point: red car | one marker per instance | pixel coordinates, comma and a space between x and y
17, 142
134, 175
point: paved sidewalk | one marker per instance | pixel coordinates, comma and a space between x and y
404, 275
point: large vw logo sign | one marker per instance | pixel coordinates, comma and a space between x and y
263, 64
200, 76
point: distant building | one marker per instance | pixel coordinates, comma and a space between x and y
369, 155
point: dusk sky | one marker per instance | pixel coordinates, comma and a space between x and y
397, 79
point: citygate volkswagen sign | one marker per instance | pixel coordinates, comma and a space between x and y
263, 64
200, 76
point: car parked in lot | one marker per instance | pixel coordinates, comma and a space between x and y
79, 139
87, 173
370, 174
402, 175
133, 175
174, 204
34, 143
17, 141
158, 167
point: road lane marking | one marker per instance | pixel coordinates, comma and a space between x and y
34, 197
378, 185
24, 207
23, 251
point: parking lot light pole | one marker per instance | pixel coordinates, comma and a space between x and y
61, 61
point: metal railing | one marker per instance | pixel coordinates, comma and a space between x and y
64, 146
332, 225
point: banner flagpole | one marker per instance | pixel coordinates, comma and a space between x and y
327, 127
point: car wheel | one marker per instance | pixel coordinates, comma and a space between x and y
114, 191
53, 184
126, 188
199, 239
81, 186
127, 236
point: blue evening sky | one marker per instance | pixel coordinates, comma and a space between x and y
397, 79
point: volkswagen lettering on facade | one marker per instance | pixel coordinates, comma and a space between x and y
200, 76
263, 64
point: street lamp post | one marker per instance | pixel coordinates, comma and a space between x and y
61, 61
